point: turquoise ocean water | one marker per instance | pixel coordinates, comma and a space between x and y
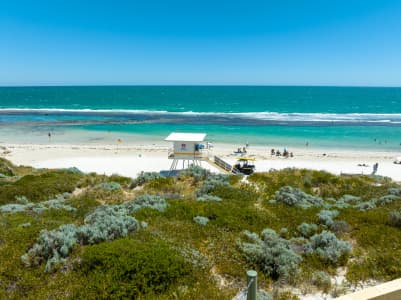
342, 117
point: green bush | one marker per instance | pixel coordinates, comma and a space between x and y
329, 248
271, 254
147, 201
39, 187
208, 198
201, 220
6, 167
211, 182
127, 269
104, 224
144, 177
295, 197
394, 219
196, 172
326, 217
306, 230
109, 186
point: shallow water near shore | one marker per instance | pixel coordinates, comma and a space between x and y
318, 117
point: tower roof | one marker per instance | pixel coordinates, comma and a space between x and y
185, 137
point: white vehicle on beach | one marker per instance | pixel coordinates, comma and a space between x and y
397, 160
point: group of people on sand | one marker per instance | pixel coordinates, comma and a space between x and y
241, 151
285, 153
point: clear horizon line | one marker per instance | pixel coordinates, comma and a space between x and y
198, 85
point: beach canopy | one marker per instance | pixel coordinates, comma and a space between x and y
185, 137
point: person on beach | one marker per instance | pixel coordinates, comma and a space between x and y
49, 135
375, 167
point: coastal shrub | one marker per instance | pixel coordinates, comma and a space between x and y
2, 176
108, 186
104, 224
367, 205
394, 219
329, 248
307, 230
387, 199
271, 254
212, 181
39, 187
346, 201
394, 191
196, 172
73, 170
296, 197
6, 168
340, 227
144, 177
23, 205
13, 208
201, 220
208, 198
53, 246
147, 201
283, 232
322, 280
21, 200
129, 269
326, 217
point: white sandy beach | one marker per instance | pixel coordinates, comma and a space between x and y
129, 160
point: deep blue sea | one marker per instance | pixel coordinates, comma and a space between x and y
342, 117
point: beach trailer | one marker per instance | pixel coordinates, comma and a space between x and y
188, 148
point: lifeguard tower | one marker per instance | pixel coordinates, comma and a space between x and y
188, 147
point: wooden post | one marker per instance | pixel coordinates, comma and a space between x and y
252, 284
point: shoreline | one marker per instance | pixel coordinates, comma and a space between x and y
130, 159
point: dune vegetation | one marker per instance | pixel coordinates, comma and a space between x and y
69, 235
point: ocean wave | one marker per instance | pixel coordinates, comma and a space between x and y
221, 117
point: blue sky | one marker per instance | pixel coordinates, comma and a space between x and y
201, 42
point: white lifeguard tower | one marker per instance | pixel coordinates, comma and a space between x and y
188, 147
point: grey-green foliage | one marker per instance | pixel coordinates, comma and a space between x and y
201, 220
321, 279
295, 197
394, 219
23, 204
209, 198
196, 172
52, 245
105, 223
108, 186
387, 199
394, 191
212, 181
146, 201
346, 201
306, 229
21, 200
329, 247
271, 253
14, 208
144, 177
3, 176
73, 170
367, 205
326, 217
